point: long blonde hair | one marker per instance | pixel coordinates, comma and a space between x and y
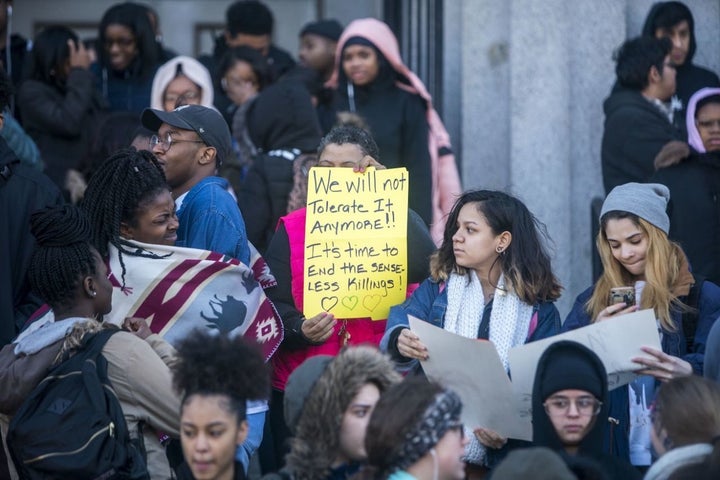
663, 262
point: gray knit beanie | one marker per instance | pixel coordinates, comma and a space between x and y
646, 200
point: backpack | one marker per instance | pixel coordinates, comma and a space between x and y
72, 425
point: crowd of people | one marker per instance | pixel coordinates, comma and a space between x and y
154, 232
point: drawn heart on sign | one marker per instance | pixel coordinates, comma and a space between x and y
328, 303
350, 302
371, 301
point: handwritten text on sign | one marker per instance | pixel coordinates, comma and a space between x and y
355, 242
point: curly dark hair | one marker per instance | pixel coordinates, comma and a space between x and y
121, 186
216, 364
64, 255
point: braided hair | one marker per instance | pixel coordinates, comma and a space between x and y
216, 364
64, 255
121, 186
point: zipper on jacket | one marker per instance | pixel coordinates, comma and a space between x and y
110, 428
613, 423
351, 96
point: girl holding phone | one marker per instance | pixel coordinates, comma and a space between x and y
634, 247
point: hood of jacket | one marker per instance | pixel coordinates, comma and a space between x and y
693, 135
282, 117
315, 444
550, 371
190, 68
627, 98
380, 35
649, 28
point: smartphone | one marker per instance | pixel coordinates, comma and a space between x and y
624, 295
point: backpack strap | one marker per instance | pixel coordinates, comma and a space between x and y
690, 317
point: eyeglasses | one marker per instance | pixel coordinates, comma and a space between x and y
708, 123
189, 95
168, 142
585, 406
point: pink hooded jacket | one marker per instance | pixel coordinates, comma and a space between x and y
693, 135
446, 185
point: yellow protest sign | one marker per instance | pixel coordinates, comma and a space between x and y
355, 242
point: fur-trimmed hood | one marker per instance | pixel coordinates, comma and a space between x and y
317, 432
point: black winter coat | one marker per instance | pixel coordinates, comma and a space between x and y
23, 190
635, 131
694, 210
62, 123
397, 120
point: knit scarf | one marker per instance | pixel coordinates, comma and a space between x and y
509, 319
509, 323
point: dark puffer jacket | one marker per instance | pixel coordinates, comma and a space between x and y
62, 120
283, 126
635, 132
23, 190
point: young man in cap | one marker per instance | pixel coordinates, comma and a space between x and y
192, 141
570, 407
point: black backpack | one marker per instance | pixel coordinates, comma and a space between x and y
72, 425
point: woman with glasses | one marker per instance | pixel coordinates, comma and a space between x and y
569, 407
127, 57
637, 254
415, 433
181, 81
59, 105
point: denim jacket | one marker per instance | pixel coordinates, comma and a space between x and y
673, 343
210, 219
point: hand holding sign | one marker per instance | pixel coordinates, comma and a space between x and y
318, 328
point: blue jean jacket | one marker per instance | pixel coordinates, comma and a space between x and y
673, 343
210, 219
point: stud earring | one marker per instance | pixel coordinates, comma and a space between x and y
499, 250
93, 293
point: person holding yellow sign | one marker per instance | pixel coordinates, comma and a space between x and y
322, 333
491, 279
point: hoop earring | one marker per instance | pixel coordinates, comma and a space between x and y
500, 250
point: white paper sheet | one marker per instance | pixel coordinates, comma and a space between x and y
473, 369
615, 340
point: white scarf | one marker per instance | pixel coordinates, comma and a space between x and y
509, 319
509, 323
